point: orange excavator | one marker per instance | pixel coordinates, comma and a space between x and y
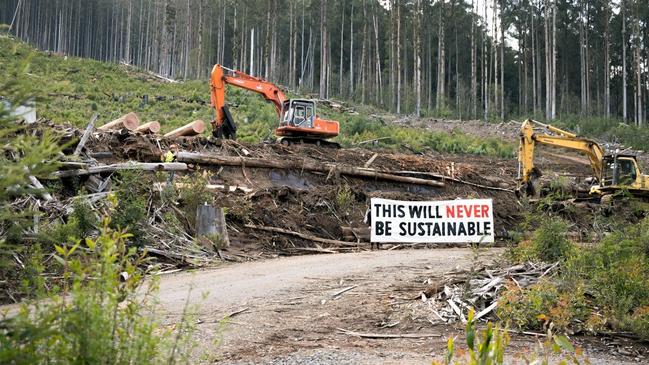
298, 122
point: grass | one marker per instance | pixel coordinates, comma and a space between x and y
71, 89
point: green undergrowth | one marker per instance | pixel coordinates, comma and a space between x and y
608, 129
102, 312
597, 289
71, 89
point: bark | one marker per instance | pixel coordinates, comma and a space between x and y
300, 165
142, 166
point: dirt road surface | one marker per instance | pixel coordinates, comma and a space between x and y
291, 313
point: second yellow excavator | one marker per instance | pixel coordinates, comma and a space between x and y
612, 172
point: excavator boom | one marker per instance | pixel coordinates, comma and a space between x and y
298, 120
562, 139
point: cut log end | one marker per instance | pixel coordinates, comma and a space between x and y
192, 129
150, 127
129, 121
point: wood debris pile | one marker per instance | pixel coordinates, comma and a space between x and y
449, 299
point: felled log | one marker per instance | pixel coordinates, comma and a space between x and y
304, 165
155, 166
192, 129
129, 121
150, 127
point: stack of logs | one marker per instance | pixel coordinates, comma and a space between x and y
131, 122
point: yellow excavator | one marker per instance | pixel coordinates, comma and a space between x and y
612, 172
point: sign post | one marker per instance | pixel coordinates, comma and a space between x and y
468, 220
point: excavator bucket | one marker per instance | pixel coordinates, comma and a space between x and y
227, 129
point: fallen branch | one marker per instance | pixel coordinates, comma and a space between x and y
448, 178
232, 314
37, 184
305, 236
142, 166
302, 165
89, 128
387, 335
339, 292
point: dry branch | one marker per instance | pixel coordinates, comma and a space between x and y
89, 128
388, 335
305, 236
303, 165
169, 166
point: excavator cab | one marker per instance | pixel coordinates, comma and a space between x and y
620, 170
298, 113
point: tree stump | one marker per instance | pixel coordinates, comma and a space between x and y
211, 228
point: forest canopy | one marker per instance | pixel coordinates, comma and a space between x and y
467, 58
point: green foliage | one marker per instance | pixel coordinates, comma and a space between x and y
80, 224
355, 129
71, 89
550, 242
487, 347
193, 193
21, 155
131, 211
104, 313
606, 286
609, 129
344, 199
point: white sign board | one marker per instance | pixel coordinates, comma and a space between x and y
469, 220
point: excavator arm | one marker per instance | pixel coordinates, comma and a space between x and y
222, 76
563, 139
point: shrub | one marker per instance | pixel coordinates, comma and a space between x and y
131, 210
104, 313
550, 242
603, 287
488, 347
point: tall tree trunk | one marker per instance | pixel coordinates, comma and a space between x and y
398, 54
474, 76
351, 53
342, 41
441, 57
417, 57
324, 49
553, 84
379, 81
363, 79
502, 66
607, 62
624, 76
638, 69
